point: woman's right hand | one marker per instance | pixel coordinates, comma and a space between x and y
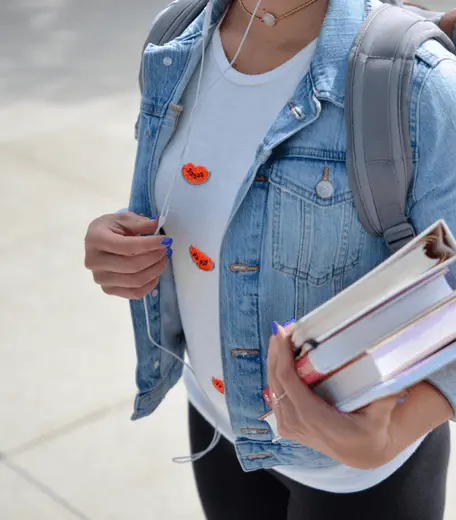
125, 258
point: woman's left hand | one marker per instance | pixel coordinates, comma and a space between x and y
362, 439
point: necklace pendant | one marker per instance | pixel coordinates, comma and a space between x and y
269, 19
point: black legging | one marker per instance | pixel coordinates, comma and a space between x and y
416, 491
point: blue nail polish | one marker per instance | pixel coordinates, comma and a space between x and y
275, 328
402, 399
153, 218
169, 253
289, 322
167, 242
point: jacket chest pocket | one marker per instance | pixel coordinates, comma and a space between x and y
316, 234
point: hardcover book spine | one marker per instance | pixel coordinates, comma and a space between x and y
307, 372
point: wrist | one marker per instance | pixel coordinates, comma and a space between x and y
424, 410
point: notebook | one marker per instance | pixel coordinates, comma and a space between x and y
410, 344
363, 332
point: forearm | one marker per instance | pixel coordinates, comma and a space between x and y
424, 409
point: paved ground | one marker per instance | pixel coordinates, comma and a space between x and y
68, 103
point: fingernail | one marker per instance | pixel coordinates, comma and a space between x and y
153, 218
402, 399
275, 328
169, 253
167, 242
289, 322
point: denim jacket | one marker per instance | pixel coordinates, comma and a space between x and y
305, 248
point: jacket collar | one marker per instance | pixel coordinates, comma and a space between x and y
341, 27
329, 66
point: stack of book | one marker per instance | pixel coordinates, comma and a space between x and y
388, 331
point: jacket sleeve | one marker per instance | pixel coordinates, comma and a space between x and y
433, 193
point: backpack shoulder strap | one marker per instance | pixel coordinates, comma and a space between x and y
445, 20
379, 151
172, 22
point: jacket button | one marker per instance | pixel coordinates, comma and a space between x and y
156, 364
325, 189
154, 293
167, 61
298, 113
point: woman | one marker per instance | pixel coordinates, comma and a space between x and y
249, 239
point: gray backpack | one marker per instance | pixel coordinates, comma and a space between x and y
379, 156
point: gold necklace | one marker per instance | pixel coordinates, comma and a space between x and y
271, 19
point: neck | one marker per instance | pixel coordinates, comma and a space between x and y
274, 6
296, 30
267, 47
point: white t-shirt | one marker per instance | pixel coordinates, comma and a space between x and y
235, 112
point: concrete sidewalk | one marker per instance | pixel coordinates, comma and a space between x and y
68, 103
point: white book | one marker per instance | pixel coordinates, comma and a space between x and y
362, 333
407, 346
411, 376
426, 254
419, 265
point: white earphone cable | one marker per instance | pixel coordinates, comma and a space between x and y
167, 203
216, 437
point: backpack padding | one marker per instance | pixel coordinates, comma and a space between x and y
179, 15
446, 21
171, 23
379, 152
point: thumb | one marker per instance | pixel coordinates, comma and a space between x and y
130, 223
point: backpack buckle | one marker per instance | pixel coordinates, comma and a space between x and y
398, 236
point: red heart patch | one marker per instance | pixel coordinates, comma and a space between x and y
201, 260
219, 385
195, 174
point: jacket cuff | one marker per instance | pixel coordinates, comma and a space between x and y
147, 402
445, 382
